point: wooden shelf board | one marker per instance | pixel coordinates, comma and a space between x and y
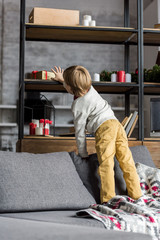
39, 144
152, 139
151, 36
52, 138
102, 87
96, 34
151, 88
43, 85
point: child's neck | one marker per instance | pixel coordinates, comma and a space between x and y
84, 93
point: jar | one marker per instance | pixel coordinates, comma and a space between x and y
38, 131
32, 127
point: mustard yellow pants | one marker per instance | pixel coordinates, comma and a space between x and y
111, 140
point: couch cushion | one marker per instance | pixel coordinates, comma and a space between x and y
56, 216
87, 170
18, 229
39, 182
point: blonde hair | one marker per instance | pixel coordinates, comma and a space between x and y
78, 78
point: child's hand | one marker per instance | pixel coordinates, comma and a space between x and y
58, 74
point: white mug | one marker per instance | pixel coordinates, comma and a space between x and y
86, 22
96, 77
113, 77
128, 77
87, 17
92, 23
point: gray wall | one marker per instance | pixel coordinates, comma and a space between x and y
40, 55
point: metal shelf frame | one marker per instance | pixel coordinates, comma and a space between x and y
139, 42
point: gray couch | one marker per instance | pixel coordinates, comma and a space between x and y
40, 194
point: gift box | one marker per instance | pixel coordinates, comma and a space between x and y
44, 75
50, 16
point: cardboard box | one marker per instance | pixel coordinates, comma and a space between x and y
44, 75
57, 17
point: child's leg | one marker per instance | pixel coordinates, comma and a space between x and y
105, 147
125, 159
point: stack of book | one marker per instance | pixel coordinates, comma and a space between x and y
129, 123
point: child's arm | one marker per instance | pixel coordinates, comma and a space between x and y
80, 133
58, 74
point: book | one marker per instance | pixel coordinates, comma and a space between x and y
133, 126
132, 119
124, 121
125, 125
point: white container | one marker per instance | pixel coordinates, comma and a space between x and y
92, 23
96, 77
128, 77
113, 77
87, 17
35, 121
39, 131
86, 22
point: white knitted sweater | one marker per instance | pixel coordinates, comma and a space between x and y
89, 112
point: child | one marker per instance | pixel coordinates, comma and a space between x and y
92, 113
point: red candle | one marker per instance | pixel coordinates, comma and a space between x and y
121, 76
32, 128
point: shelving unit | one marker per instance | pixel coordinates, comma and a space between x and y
98, 35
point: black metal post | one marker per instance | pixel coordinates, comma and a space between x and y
127, 104
126, 13
126, 24
127, 55
21, 69
140, 69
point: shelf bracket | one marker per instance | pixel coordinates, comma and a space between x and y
130, 38
127, 104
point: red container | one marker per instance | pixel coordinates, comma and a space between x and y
121, 76
32, 127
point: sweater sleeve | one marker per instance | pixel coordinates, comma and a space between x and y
80, 119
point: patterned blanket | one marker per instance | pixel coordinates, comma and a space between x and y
125, 214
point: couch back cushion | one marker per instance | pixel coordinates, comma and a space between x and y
30, 182
87, 170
